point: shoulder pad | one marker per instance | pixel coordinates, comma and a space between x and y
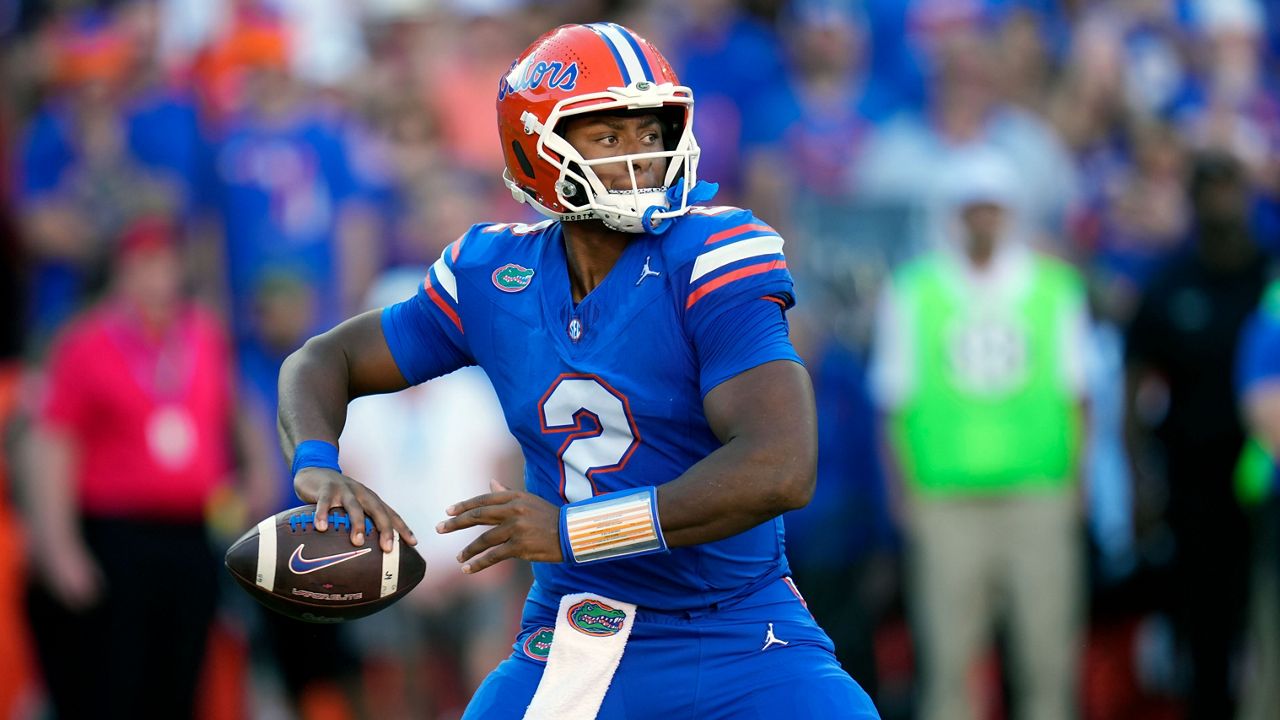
480, 251
704, 229
486, 243
725, 254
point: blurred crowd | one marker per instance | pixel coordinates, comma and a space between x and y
1032, 240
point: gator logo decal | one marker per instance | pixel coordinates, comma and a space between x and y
512, 278
593, 617
538, 645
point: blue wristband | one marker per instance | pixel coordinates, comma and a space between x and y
315, 453
611, 526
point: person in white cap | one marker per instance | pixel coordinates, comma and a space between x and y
978, 369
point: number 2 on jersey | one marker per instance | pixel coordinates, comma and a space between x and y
601, 433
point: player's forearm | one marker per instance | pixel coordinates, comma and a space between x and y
53, 508
1262, 415
329, 371
314, 392
253, 447
1136, 433
736, 488
897, 493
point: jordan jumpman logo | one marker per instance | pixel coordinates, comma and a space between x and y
770, 639
646, 272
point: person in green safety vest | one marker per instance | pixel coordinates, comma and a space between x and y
978, 369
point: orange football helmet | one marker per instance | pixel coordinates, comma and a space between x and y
578, 69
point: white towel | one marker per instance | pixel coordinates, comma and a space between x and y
591, 633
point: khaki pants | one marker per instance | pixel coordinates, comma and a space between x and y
1018, 557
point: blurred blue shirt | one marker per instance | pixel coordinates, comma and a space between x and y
849, 515
162, 134
731, 68
1258, 360
280, 187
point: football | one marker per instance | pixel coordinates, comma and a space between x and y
320, 577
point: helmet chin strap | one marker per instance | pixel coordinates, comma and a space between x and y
656, 201
701, 192
676, 195
631, 218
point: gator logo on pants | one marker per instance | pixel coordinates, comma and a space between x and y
593, 617
538, 645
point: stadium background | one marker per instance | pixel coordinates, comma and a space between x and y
316, 155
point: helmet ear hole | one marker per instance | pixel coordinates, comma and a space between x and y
521, 158
570, 188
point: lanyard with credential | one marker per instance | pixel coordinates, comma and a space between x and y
163, 370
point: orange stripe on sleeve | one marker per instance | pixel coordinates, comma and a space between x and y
773, 299
736, 231
738, 274
440, 303
457, 248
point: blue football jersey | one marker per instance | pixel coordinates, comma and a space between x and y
606, 394
1258, 357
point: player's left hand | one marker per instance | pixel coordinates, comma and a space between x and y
524, 526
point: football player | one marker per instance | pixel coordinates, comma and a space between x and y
638, 343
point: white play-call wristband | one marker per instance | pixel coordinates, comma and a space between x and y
611, 526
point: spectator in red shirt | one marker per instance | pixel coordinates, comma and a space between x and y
134, 435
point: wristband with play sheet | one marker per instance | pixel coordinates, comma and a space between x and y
611, 526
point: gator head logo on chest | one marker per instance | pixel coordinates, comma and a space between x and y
538, 645
512, 278
592, 617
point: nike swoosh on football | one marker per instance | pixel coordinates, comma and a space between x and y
301, 566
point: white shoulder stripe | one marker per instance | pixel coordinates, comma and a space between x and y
445, 275
733, 252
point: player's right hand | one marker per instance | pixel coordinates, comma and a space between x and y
329, 489
72, 575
